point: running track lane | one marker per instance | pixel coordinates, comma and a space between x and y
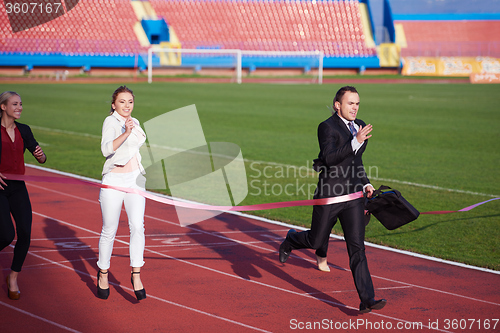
222, 275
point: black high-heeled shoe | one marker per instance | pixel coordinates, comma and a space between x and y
102, 293
139, 294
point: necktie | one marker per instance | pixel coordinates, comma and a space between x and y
352, 129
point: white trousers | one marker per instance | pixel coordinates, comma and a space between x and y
111, 205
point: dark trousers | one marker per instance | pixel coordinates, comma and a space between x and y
351, 216
15, 199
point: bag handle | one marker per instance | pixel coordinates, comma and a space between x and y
380, 189
375, 193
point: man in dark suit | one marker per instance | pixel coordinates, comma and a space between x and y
342, 140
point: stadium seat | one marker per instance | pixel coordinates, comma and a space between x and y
106, 27
96, 27
267, 25
451, 38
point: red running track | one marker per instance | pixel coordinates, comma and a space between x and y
223, 275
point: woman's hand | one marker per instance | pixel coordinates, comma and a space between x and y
129, 125
39, 155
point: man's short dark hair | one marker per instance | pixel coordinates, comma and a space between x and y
341, 93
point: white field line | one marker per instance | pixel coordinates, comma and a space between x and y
215, 271
435, 187
66, 132
286, 166
263, 219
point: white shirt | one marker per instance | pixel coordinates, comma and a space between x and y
113, 127
354, 143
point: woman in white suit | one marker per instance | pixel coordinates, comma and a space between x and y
122, 136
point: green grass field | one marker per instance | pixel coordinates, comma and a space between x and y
438, 144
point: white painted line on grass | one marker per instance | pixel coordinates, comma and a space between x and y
434, 187
65, 132
287, 166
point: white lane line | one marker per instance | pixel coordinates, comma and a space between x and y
215, 271
385, 248
62, 193
439, 291
281, 289
289, 226
332, 236
130, 289
234, 276
354, 290
347, 270
38, 317
122, 236
50, 264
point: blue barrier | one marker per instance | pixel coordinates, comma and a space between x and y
75, 60
445, 9
133, 61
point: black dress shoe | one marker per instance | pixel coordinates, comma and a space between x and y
286, 248
372, 305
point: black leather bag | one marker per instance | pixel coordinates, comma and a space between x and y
390, 208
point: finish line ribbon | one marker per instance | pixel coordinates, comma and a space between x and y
273, 205
466, 209
157, 198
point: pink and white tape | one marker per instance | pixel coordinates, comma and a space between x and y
173, 202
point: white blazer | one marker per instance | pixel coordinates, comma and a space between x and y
113, 127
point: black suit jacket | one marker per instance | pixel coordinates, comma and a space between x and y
28, 138
341, 171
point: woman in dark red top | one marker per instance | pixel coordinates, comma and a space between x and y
14, 199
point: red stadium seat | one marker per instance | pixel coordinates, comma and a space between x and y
90, 27
267, 25
106, 27
451, 38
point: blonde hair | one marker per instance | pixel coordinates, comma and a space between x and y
4, 97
